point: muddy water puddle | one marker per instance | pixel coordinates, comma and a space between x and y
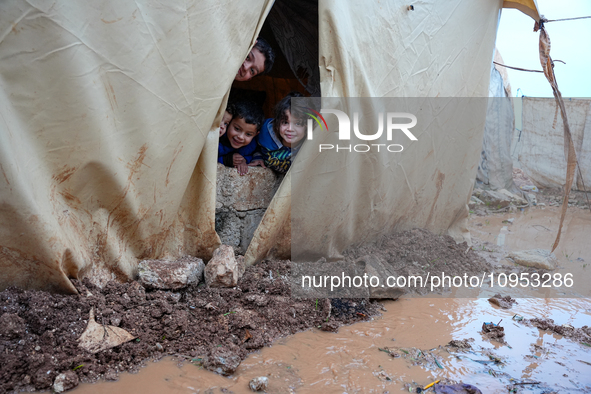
536, 228
350, 361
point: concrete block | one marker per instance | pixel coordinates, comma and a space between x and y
228, 226
254, 190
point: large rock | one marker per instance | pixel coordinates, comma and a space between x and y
536, 258
224, 270
170, 275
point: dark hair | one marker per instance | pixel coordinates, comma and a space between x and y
249, 111
286, 105
263, 46
230, 109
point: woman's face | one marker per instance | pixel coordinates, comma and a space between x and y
292, 130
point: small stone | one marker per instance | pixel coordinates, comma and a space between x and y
536, 258
111, 376
170, 275
331, 326
224, 270
65, 381
223, 360
159, 347
259, 384
37, 348
531, 199
174, 297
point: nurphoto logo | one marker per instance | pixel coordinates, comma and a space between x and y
395, 121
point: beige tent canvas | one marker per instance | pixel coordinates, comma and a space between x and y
108, 115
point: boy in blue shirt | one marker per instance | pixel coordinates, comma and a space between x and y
237, 145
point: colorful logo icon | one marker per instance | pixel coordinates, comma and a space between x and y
316, 118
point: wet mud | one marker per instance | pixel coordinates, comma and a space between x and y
581, 335
421, 253
417, 341
211, 328
532, 359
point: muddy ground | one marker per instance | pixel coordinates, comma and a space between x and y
213, 327
419, 252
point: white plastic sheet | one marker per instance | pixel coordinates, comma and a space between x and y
540, 147
106, 108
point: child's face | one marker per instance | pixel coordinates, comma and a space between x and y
241, 133
292, 130
253, 64
225, 122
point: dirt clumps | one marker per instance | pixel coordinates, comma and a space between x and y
582, 335
502, 302
421, 253
460, 344
213, 327
11, 326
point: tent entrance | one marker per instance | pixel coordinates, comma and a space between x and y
291, 28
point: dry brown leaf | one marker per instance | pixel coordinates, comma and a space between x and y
97, 337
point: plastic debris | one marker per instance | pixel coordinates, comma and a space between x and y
460, 388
